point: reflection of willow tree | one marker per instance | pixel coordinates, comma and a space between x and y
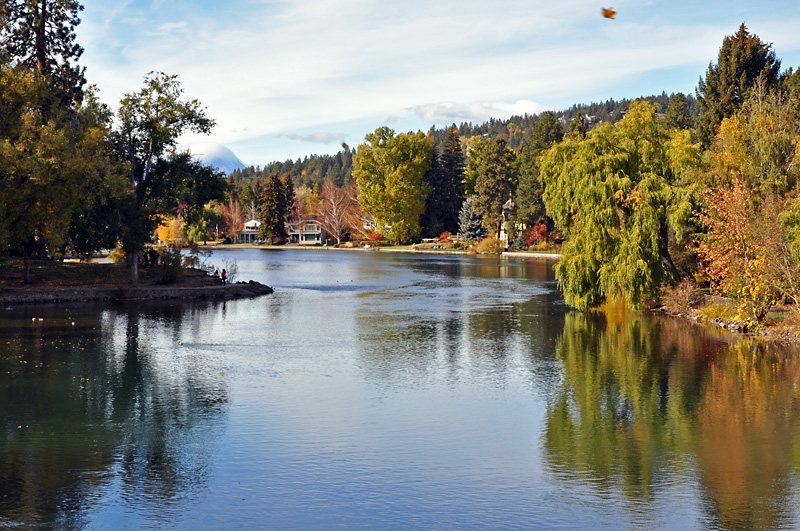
81, 407
640, 397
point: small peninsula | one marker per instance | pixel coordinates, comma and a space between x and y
56, 282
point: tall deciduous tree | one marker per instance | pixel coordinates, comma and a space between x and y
338, 209
616, 194
743, 59
759, 145
389, 171
40, 34
49, 161
150, 122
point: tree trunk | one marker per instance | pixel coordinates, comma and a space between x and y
666, 258
133, 264
26, 266
41, 57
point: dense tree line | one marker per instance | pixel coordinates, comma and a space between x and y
647, 193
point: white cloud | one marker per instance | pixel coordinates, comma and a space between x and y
450, 112
170, 29
317, 138
270, 68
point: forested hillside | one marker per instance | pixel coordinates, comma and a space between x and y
314, 169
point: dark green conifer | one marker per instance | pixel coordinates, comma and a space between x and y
273, 210
743, 59
470, 223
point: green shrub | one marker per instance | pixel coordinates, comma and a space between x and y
171, 265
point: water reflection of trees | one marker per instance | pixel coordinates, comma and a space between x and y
106, 401
481, 317
650, 403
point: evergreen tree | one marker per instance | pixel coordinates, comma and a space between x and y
470, 223
273, 210
578, 127
743, 59
40, 34
287, 185
432, 222
677, 115
496, 180
257, 193
233, 190
451, 194
445, 178
530, 207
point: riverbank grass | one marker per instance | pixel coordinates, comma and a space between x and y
47, 273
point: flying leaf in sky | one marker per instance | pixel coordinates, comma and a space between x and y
609, 12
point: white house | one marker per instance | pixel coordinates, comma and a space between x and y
306, 232
250, 232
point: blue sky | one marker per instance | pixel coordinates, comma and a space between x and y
284, 79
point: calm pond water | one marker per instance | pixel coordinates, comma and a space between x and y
379, 390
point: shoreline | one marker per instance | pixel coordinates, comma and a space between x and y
24, 296
514, 254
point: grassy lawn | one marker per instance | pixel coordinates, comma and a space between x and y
69, 274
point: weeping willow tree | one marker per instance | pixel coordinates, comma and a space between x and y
617, 193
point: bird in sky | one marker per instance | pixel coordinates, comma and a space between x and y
609, 12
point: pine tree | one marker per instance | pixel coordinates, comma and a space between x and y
432, 222
496, 180
287, 185
273, 210
40, 34
530, 207
578, 127
470, 224
677, 114
743, 59
451, 161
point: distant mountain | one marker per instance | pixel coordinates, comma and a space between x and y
216, 155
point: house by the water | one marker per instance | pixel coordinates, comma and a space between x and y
250, 232
304, 232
